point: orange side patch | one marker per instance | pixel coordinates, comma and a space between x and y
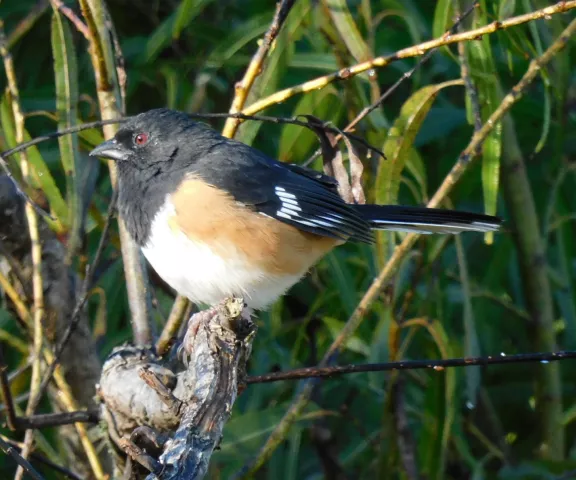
208, 215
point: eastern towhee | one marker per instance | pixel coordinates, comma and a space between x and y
217, 218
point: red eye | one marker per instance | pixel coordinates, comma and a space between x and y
141, 139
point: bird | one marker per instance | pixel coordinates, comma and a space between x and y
217, 218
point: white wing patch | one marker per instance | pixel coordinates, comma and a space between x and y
291, 210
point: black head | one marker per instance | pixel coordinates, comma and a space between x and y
153, 138
154, 151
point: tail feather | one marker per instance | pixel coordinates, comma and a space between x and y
425, 220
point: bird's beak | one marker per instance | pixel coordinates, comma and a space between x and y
111, 149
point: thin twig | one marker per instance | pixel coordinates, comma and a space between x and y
471, 90
409, 52
43, 460
66, 131
24, 145
174, 404
27, 23
255, 67
139, 455
20, 460
70, 15
84, 294
438, 365
47, 420
462, 164
36, 246
406, 76
291, 121
11, 418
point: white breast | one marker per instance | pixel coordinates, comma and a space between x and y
196, 272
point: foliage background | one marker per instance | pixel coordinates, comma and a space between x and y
451, 297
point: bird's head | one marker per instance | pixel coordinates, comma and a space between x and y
153, 138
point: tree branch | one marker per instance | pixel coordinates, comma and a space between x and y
139, 393
409, 52
242, 88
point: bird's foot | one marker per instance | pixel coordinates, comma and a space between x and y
230, 309
194, 324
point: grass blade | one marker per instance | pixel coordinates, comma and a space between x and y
40, 174
398, 144
66, 81
348, 29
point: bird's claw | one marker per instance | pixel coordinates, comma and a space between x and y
185, 349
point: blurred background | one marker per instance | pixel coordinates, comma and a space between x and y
452, 296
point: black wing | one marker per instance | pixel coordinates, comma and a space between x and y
298, 196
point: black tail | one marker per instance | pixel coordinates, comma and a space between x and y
425, 220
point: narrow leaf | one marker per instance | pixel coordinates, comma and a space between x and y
397, 146
66, 80
400, 139
171, 28
471, 343
187, 11
348, 30
41, 177
443, 17
482, 68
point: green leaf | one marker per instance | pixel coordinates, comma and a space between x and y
506, 9
171, 28
415, 165
471, 342
187, 11
398, 144
400, 140
243, 436
66, 81
41, 177
343, 278
354, 343
239, 37
443, 17
348, 30
275, 67
482, 72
